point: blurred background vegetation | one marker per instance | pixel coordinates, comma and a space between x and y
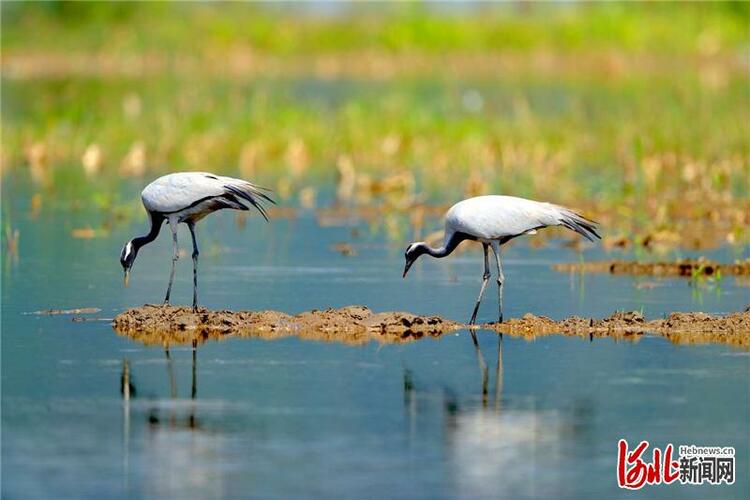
637, 113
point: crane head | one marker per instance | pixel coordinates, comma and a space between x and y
127, 258
412, 253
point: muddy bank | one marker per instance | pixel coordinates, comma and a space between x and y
56, 312
678, 327
689, 268
358, 325
352, 324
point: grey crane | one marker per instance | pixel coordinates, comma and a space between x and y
187, 197
493, 221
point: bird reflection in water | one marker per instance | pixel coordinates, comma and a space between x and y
170, 438
128, 391
173, 421
499, 449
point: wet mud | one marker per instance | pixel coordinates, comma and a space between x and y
688, 268
678, 327
352, 325
358, 325
56, 312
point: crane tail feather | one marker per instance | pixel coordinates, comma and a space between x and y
251, 194
578, 223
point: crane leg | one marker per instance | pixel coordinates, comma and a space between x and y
175, 256
500, 280
191, 225
485, 280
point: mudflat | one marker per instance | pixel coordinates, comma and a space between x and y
358, 324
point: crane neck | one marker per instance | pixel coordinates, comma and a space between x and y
449, 245
156, 223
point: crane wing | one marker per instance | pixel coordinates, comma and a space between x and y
504, 217
176, 192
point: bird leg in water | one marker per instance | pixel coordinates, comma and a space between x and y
499, 373
170, 372
485, 280
195, 266
175, 256
500, 280
483, 370
194, 387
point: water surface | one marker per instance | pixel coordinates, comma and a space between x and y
304, 418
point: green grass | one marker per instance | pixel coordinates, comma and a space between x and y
614, 106
571, 129
284, 29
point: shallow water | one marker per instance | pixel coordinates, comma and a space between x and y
299, 418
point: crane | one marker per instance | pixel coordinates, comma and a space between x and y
187, 197
493, 221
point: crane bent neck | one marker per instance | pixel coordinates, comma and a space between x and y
450, 244
156, 223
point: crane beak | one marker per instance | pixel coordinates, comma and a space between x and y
406, 268
127, 277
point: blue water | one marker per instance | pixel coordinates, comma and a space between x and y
301, 418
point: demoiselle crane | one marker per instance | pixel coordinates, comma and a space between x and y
493, 221
188, 197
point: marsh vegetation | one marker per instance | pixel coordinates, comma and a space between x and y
398, 107
368, 121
